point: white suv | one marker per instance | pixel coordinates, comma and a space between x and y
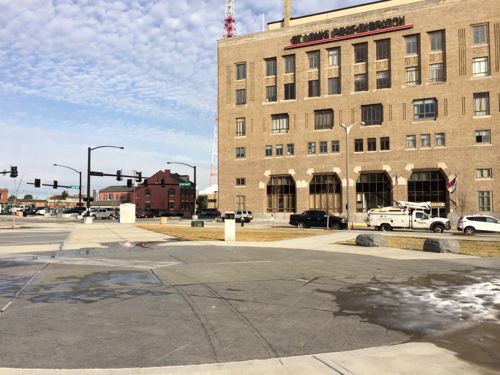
102, 213
471, 224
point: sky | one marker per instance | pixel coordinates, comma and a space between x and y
141, 74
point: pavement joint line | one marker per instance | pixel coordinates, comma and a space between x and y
341, 371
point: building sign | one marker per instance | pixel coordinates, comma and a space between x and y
349, 32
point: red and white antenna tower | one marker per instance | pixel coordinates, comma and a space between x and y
229, 21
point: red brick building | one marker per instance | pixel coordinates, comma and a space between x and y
113, 196
171, 197
4, 198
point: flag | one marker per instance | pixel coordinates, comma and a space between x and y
395, 182
452, 185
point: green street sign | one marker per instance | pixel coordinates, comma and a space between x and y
184, 183
74, 187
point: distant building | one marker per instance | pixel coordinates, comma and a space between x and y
207, 199
113, 196
169, 196
4, 198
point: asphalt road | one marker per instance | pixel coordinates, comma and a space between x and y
179, 304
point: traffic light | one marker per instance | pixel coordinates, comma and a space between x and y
139, 177
162, 182
129, 183
13, 172
119, 175
55, 184
146, 182
38, 183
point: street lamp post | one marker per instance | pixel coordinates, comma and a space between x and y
347, 129
194, 177
90, 149
80, 181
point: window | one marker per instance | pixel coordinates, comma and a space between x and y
479, 34
372, 114
425, 109
383, 79
440, 140
411, 44
311, 148
240, 152
323, 119
383, 49
373, 190
425, 140
371, 144
289, 91
412, 75
333, 85
480, 67
484, 173
241, 97
484, 200
314, 88
279, 150
290, 149
281, 194
241, 71
358, 145
436, 73
385, 144
482, 104
271, 93
483, 136
336, 146
361, 53
325, 193
411, 141
313, 58
334, 57
279, 124
241, 181
360, 82
268, 151
289, 64
271, 67
323, 147
240, 127
437, 38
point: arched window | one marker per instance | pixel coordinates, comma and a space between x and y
325, 193
429, 186
281, 196
373, 190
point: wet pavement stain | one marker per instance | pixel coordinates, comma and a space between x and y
424, 306
10, 285
97, 287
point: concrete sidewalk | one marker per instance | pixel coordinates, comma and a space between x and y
410, 358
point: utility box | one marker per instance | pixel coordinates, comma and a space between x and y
127, 213
229, 226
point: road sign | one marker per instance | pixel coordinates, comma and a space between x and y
184, 183
74, 186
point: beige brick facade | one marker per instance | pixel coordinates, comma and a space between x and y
243, 182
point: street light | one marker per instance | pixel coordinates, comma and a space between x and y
194, 173
90, 149
79, 185
347, 129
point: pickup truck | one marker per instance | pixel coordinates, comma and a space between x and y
317, 218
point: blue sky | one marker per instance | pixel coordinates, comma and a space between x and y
133, 73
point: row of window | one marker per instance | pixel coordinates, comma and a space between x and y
425, 140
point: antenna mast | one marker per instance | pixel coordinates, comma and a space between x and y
229, 21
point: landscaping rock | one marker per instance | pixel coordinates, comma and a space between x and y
370, 240
436, 245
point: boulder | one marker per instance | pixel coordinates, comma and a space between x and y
370, 240
436, 245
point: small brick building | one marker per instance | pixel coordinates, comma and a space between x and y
113, 196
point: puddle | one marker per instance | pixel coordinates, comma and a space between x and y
425, 306
10, 285
97, 287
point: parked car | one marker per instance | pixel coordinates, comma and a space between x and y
317, 218
42, 210
144, 214
102, 213
208, 214
471, 224
241, 215
171, 214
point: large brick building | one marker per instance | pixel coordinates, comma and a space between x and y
418, 80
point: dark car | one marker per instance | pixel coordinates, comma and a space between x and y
317, 218
171, 214
144, 214
208, 214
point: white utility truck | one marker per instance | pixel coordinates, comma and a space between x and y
407, 215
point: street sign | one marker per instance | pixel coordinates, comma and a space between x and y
74, 186
184, 183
